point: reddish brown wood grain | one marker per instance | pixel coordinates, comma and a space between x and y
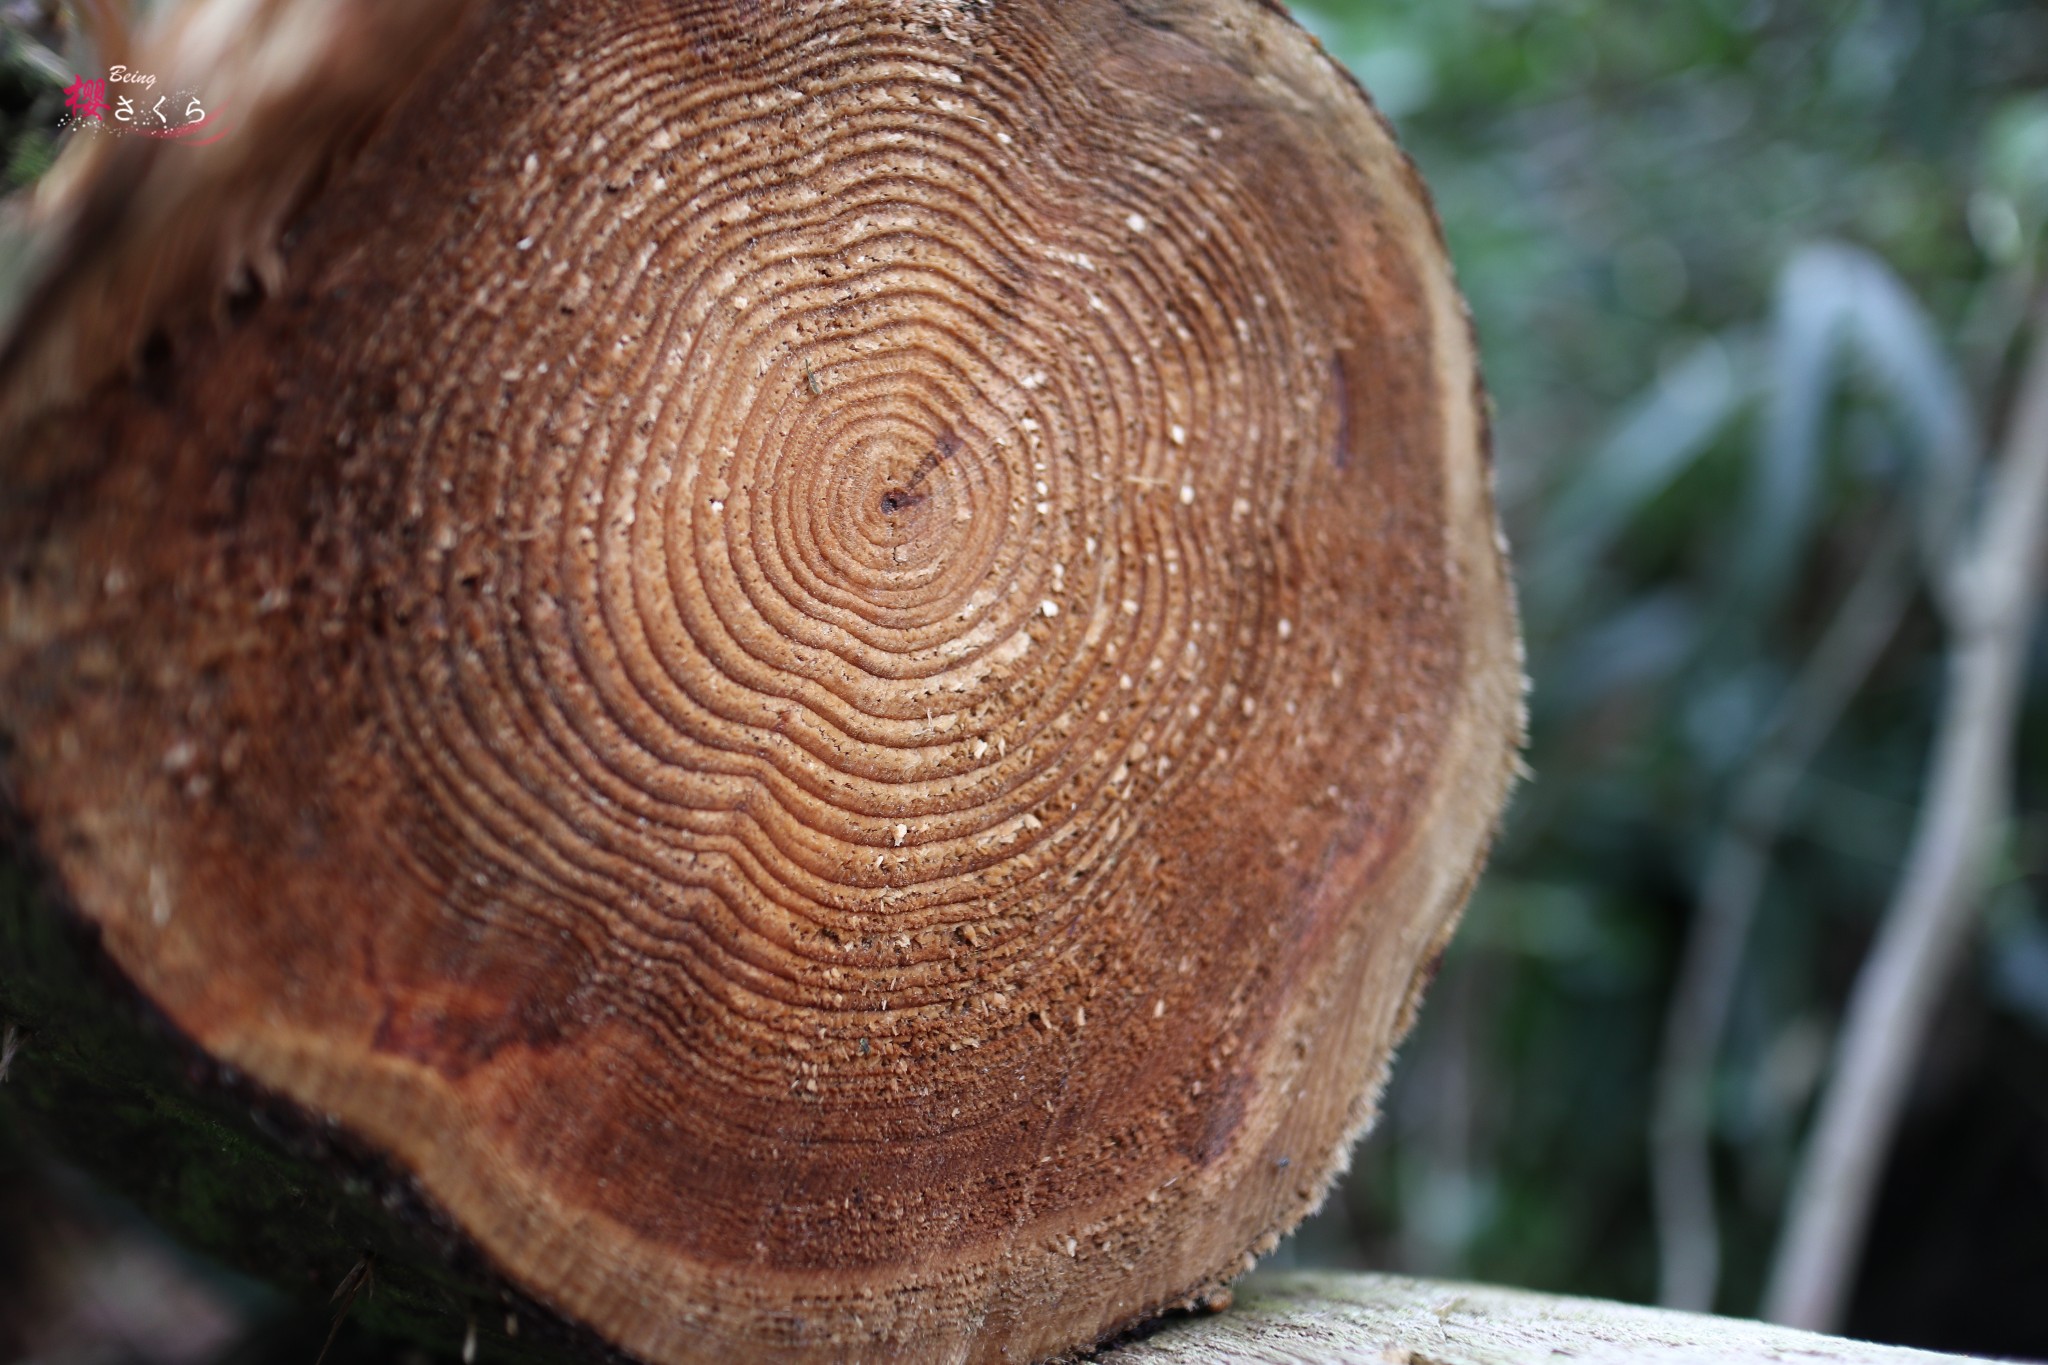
836, 664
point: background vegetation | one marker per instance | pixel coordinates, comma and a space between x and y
1752, 279
1653, 207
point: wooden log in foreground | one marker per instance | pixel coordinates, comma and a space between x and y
831, 669
1335, 1319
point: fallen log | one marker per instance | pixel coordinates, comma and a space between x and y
1335, 1319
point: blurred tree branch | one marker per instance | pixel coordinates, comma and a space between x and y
1738, 865
1989, 608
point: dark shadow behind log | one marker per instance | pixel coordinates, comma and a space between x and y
818, 680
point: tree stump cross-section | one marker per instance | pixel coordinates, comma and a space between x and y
836, 668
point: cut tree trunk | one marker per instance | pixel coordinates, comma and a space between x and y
816, 680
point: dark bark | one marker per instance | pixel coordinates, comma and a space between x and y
101, 1081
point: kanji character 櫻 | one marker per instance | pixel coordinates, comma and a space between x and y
87, 99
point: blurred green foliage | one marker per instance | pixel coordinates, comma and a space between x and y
32, 80
1750, 277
